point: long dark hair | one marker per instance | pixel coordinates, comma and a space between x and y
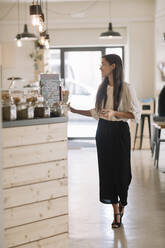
101, 96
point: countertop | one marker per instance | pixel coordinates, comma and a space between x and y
39, 121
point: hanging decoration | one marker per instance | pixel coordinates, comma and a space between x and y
47, 41
47, 38
42, 38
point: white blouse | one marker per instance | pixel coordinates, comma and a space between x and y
128, 103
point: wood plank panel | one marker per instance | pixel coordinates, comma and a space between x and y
35, 192
29, 135
32, 154
58, 241
34, 173
36, 231
35, 212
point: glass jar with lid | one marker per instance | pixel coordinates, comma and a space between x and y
39, 109
30, 111
42, 110
9, 112
25, 110
22, 110
56, 110
46, 110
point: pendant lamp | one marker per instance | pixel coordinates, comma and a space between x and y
26, 35
109, 34
35, 13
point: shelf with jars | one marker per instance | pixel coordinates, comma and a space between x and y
28, 104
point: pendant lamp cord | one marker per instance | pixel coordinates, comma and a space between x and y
46, 15
41, 4
109, 11
18, 17
25, 6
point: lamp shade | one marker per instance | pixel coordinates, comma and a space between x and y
35, 9
110, 33
26, 35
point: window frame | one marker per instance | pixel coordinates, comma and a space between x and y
85, 49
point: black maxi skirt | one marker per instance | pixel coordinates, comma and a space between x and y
113, 150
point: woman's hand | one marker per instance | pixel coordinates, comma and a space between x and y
79, 111
108, 114
70, 108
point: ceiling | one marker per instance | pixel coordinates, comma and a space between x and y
55, 1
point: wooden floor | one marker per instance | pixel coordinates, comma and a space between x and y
90, 221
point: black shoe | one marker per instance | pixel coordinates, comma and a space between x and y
116, 224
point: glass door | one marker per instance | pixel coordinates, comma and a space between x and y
82, 78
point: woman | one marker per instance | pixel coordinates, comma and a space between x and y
116, 102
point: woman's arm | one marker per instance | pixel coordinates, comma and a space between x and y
80, 112
111, 113
125, 115
132, 103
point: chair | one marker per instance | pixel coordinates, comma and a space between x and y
148, 108
159, 125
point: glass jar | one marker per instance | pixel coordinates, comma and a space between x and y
22, 112
64, 110
30, 111
9, 111
65, 94
55, 110
47, 110
39, 110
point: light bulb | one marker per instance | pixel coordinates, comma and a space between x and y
35, 20
19, 43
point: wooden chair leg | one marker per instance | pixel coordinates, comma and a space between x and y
135, 136
149, 126
157, 148
158, 151
153, 141
141, 131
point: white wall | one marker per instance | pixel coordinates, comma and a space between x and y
1, 192
133, 18
141, 49
159, 42
16, 62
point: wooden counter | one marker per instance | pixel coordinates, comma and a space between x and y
35, 185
